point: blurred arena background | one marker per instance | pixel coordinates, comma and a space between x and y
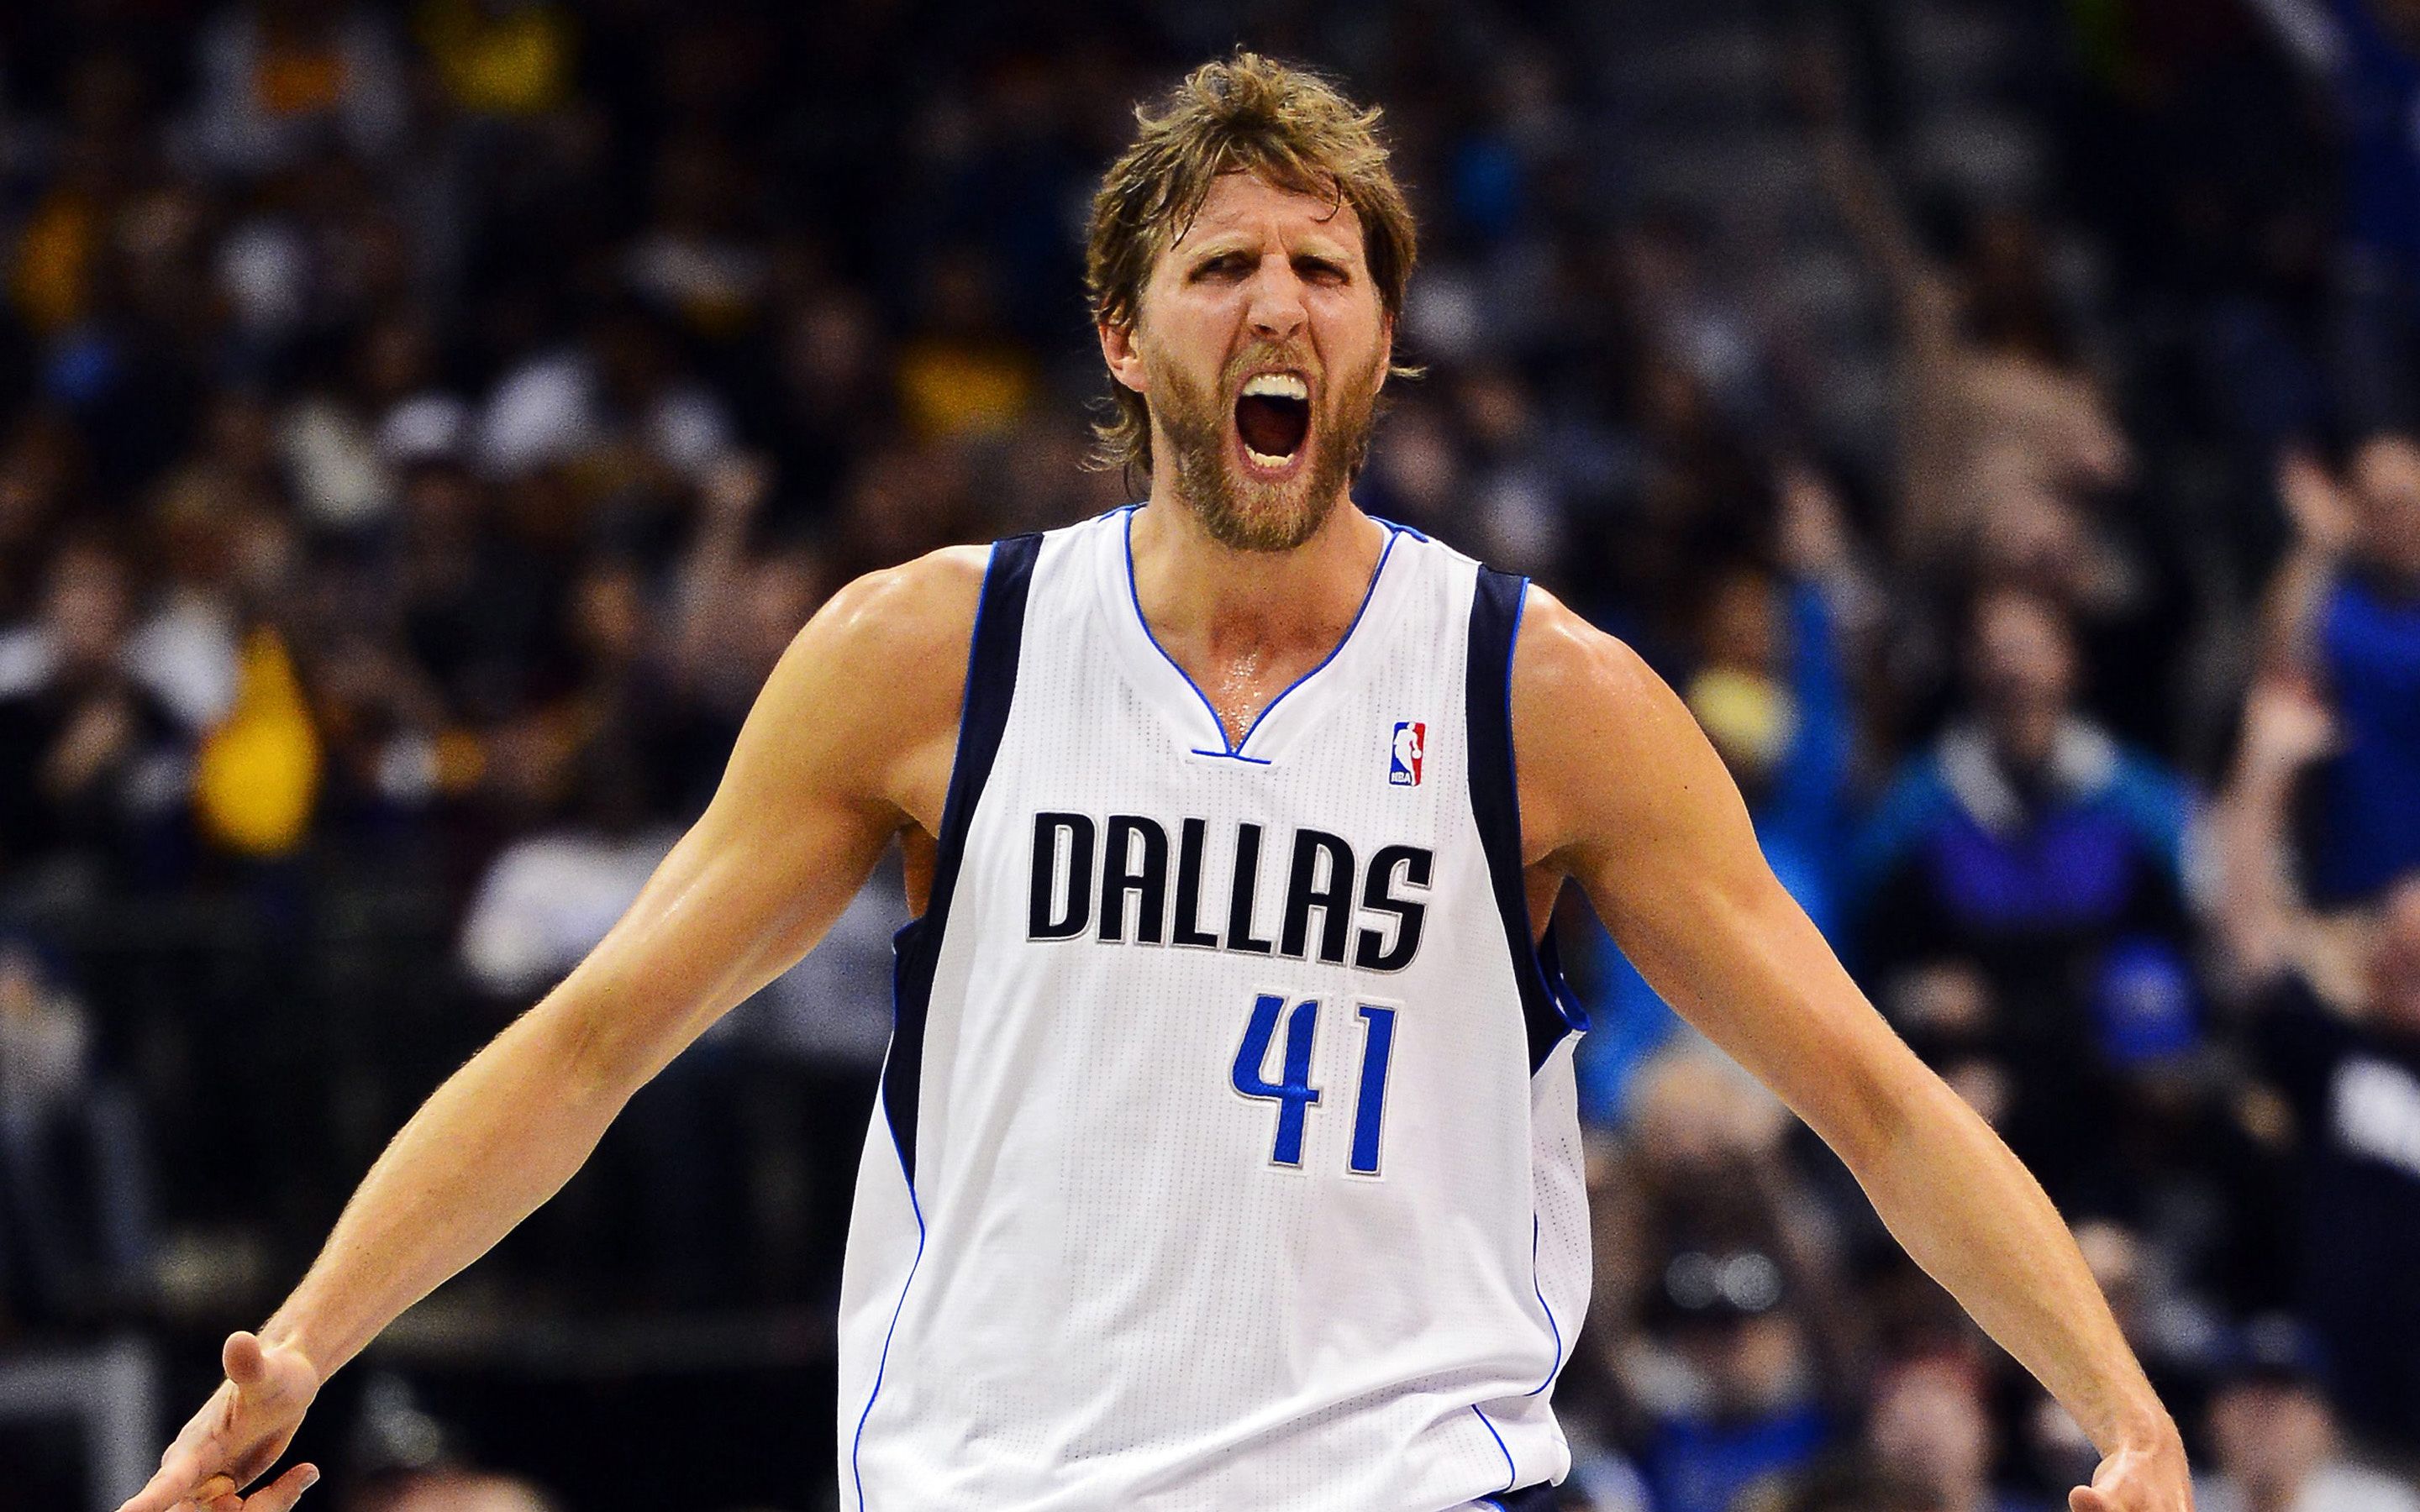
422, 426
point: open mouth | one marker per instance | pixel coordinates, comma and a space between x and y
1273, 418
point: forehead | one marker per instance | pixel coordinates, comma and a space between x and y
1244, 207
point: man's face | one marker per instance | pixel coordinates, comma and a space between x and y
1260, 344
2271, 1436
2021, 659
1930, 1426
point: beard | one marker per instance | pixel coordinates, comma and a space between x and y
1237, 509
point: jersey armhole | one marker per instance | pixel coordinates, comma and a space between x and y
1549, 1010
992, 654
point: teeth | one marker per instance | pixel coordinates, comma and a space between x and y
1277, 386
1260, 459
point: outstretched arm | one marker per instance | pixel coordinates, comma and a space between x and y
2326, 526
849, 742
2260, 912
1620, 790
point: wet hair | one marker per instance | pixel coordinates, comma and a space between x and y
1286, 125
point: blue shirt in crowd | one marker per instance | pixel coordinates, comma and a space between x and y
2370, 794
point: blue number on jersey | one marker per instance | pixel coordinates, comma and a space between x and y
1294, 1095
1369, 1110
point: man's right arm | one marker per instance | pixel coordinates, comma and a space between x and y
849, 743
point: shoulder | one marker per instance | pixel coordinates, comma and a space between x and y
867, 696
1565, 668
1599, 738
916, 609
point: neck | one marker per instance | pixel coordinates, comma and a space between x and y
1246, 625
1217, 598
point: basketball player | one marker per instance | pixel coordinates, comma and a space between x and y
1226, 1154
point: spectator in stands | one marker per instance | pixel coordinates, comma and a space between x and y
89, 767
1755, 1414
619, 407
2273, 1435
2344, 614
74, 1199
1767, 681
1929, 1424
2351, 1072
2028, 841
1709, 1242
2004, 432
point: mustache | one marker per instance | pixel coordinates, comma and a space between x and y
1264, 355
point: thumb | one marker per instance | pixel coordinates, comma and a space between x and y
244, 1363
2085, 1499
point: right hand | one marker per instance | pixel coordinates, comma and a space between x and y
236, 1436
2325, 521
2287, 726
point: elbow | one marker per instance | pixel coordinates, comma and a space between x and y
1875, 1109
581, 1057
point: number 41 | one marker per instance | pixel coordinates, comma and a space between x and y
1295, 1095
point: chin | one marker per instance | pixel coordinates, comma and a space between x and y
1255, 516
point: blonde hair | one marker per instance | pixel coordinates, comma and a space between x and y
1246, 113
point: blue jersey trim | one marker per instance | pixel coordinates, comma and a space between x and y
1511, 1474
882, 1365
1134, 596
1232, 756
991, 683
1557, 1368
916, 949
1548, 1010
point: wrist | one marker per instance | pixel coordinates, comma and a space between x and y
288, 1335
2143, 1430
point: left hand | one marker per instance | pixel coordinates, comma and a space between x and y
2146, 1478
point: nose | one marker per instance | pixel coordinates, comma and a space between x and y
1278, 312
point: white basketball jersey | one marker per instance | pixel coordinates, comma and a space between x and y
1228, 1153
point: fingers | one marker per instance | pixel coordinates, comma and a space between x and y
288, 1489
159, 1494
219, 1494
173, 1488
2085, 1499
245, 1365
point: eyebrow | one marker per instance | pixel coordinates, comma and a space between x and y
1215, 247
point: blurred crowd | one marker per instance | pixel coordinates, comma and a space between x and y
422, 426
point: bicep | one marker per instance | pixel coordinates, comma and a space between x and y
1655, 830
818, 782
774, 859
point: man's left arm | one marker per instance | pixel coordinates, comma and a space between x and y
1621, 791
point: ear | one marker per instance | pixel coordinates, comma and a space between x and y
1386, 349
1118, 350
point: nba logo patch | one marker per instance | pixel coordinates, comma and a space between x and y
1411, 744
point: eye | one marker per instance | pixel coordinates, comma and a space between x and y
1320, 270
1227, 264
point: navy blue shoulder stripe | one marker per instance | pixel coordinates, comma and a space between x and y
916, 949
1548, 1011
